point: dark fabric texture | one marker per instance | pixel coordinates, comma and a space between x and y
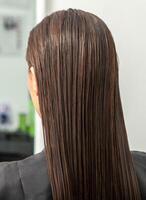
25, 179
28, 179
139, 159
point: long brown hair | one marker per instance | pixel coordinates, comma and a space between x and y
86, 145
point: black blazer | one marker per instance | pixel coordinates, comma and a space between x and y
27, 179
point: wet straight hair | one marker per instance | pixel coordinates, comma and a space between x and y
86, 145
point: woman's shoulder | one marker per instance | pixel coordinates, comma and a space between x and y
139, 155
10, 183
139, 158
28, 178
25, 179
34, 176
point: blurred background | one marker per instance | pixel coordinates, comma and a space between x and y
20, 126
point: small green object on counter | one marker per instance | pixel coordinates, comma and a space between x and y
27, 121
30, 123
22, 122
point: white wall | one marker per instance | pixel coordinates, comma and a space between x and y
38, 140
13, 68
126, 20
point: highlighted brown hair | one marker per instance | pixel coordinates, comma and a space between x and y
86, 145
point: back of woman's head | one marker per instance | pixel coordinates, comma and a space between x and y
75, 62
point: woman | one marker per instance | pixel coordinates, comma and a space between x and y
74, 84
